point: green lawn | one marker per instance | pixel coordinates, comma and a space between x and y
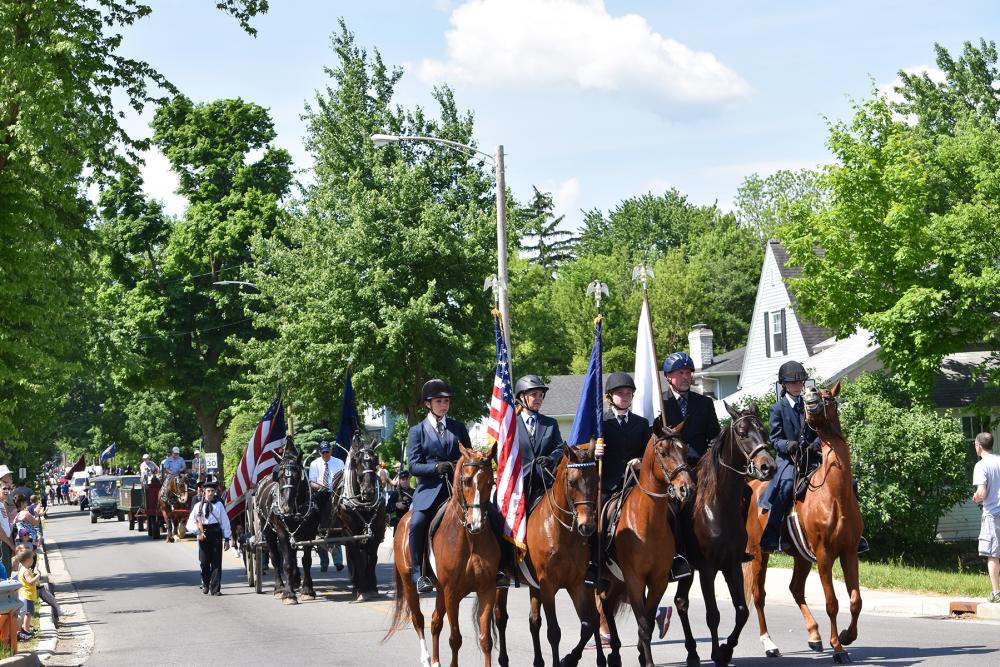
945, 569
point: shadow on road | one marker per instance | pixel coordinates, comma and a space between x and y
69, 545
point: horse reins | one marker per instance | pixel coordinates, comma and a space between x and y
750, 469
668, 475
554, 505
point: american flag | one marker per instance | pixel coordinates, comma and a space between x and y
259, 459
502, 430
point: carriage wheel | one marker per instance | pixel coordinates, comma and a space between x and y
247, 563
258, 571
131, 522
140, 523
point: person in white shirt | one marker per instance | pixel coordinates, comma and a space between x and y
321, 473
208, 518
148, 468
986, 477
198, 466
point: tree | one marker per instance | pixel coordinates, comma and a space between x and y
546, 244
169, 328
909, 233
783, 198
386, 257
540, 341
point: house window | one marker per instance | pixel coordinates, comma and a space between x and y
775, 340
972, 426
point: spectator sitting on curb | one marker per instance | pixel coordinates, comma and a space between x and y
986, 477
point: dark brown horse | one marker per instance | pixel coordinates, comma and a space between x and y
359, 509
644, 544
717, 532
831, 526
467, 557
173, 506
558, 533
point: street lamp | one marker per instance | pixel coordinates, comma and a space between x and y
245, 283
384, 139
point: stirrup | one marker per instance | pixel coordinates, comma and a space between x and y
503, 581
863, 545
680, 568
424, 585
590, 578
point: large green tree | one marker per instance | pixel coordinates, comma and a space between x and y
542, 240
168, 327
911, 250
763, 204
387, 254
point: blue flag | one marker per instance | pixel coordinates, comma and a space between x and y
589, 421
349, 421
108, 453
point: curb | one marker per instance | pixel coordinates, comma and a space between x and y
988, 610
74, 630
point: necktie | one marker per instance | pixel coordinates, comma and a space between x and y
326, 475
441, 428
622, 420
798, 404
682, 401
532, 422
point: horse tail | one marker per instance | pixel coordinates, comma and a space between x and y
475, 623
398, 607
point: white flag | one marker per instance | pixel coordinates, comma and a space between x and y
648, 400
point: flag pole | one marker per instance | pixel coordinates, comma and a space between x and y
493, 283
597, 288
643, 273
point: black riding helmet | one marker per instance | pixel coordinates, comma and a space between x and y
617, 381
436, 388
527, 383
792, 371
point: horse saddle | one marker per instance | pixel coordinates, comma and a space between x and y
436, 521
612, 511
805, 468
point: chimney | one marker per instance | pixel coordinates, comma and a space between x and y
700, 342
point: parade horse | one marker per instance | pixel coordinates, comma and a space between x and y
287, 513
824, 526
172, 505
717, 532
643, 544
466, 559
359, 506
557, 536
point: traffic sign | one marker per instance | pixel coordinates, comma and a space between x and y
211, 462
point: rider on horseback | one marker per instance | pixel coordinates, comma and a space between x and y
538, 436
432, 447
626, 435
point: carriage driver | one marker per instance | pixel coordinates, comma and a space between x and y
432, 447
148, 469
321, 473
173, 464
538, 435
790, 435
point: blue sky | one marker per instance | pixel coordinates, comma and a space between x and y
594, 100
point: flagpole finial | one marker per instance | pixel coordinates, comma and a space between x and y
350, 360
642, 274
493, 283
597, 289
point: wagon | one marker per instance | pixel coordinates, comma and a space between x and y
131, 503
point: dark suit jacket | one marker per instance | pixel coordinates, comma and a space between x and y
786, 426
546, 441
701, 424
426, 450
621, 445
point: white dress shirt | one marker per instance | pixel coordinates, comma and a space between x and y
333, 466
216, 514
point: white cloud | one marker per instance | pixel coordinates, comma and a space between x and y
761, 167
161, 183
578, 45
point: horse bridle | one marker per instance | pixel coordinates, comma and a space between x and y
173, 497
461, 493
284, 471
352, 499
574, 513
750, 470
667, 474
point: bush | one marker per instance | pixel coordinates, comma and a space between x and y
909, 461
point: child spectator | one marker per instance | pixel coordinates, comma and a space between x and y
25, 520
27, 575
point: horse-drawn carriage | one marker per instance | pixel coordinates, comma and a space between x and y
138, 501
282, 516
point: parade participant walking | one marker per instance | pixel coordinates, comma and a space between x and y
209, 519
173, 464
986, 477
148, 468
538, 436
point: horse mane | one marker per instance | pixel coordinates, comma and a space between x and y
708, 470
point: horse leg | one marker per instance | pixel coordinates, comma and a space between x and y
609, 605
636, 590
454, 631
737, 591
535, 626
755, 574
552, 630
487, 597
167, 525
307, 581
500, 618
712, 616
832, 607
406, 588
290, 567
437, 622
682, 604
849, 564
798, 589
272, 549
590, 624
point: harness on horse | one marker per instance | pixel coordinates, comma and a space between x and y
171, 497
295, 515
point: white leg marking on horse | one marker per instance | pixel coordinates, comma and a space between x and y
425, 656
765, 640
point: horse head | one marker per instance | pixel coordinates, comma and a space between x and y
670, 453
751, 439
474, 483
578, 469
822, 412
363, 473
290, 480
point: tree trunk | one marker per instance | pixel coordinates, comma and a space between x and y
212, 432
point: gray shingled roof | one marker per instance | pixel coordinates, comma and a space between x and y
564, 394
956, 385
811, 333
728, 363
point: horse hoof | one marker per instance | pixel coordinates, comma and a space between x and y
772, 653
306, 597
846, 638
816, 646
693, 661
614, 660
841, 658
725, 655
569, 661
289, 601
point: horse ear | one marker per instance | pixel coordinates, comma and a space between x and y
493, 452
465, 452
836, 389
754, 409
677, 429
570, 453
732, 412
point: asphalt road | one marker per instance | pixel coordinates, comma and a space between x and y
145, 608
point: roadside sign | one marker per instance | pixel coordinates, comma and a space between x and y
211, 462
24, 473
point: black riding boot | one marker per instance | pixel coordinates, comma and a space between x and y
863, 545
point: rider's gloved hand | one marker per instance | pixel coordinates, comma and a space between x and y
443, 468
793, 447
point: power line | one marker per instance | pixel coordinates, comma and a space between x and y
174, 334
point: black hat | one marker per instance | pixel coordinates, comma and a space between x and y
404, 473
435, 388
527, 383
211, 484
792, 371
617, 381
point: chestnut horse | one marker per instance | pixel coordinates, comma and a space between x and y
831, 525
716, 532
466, 559
557, 537
644, 543
173, 506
